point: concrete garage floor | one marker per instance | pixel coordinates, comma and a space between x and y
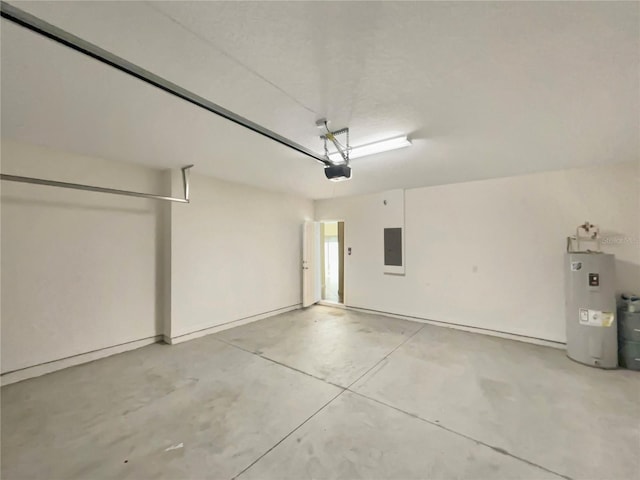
326, 393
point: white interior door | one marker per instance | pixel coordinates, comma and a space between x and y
311, 285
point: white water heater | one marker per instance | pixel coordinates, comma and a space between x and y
591, 308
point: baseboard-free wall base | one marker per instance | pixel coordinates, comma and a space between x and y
227, 325
54, 365
467, 328
48, 367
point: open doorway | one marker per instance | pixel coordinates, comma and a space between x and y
332, 261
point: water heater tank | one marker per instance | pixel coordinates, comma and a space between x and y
591, 308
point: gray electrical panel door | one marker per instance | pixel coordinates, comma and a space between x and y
393, 246
591, 309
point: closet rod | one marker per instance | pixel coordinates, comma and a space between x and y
92, 188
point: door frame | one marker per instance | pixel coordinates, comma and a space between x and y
343, 261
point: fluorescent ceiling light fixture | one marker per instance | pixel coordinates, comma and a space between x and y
372, 148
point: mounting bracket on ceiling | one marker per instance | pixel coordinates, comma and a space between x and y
92, 188
343, 150
340, 170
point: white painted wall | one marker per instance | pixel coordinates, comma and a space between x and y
489, 253
235, 253
80, 270
86, 272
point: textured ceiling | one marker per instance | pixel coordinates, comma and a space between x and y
483, 89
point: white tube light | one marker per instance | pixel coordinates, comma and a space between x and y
372, 148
